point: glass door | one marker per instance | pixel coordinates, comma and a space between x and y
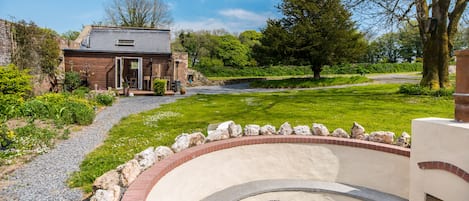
140, 73
118, 73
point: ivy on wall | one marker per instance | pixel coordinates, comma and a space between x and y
34, 48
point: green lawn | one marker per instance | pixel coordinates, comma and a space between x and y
376, 107
309, 82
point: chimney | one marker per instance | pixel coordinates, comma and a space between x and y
461, 95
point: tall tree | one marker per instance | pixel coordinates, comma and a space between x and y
409, 42
195, 44
388, 48
232, 52
70, 35
315, 32
139, 13
438, 24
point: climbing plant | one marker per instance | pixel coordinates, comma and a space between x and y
35, 48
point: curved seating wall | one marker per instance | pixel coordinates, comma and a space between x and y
201, 171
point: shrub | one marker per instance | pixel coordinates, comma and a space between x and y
10, 105
62, 108
416, 89
209, 62
308, 82
72, 80
81, 92
6, 137
104, 99
159, 87
35, 109
220, 71
14, 81
372, 68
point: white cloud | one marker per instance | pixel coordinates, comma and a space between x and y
245, 15
232, 20
204, 24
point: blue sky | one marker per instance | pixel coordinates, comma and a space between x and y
63, 15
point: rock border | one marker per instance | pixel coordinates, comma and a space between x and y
112, 184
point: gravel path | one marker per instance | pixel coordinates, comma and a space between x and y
44, 178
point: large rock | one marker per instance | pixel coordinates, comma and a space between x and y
252, 130
107, 180
320, 129
218, 135
285, 129
146, 158
114, 193
185, 141
302, 130
235, 130
403, 140
340, 133
162, 152
268, 130
181, 142
382, 137
219, 131
196, 139
128, 172
103, 195
357, 131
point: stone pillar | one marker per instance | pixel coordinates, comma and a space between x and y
181, 66
461, 95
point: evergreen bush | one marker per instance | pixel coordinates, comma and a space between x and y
159, 87
104, 99
72, 80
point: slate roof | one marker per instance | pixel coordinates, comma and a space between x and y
126, 40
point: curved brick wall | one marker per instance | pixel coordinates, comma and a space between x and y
142, 187
448, 167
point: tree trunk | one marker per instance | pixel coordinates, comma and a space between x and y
436, 48
317, 72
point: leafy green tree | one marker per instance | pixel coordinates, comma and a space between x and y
274, 42
195, 43
250, 38
387, 48
317, 33
232, 52
139, 13
409, 41
70, 35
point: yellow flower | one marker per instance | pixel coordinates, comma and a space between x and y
11, 134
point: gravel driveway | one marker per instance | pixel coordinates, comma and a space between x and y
44, 178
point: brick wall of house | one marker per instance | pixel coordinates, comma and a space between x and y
101, 66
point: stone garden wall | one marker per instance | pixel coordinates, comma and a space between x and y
5, 43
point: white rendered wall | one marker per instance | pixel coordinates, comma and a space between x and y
207, 174
435, 139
